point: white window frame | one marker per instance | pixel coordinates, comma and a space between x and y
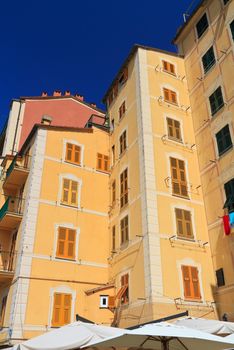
172, 88
169, 61
101, 304
172, 116
63, 290
59, 197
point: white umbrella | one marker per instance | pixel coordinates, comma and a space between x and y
205, 325
165, 336
72, 336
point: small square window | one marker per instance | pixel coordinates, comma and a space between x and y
202, 25
216, 101
208, 60
220, 278
224, 141
104, 301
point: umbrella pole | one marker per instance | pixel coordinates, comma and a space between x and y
165, 344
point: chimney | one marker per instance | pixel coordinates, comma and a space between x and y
44, 94
57, 93
67, 93
93, 105
79, 97
46, 120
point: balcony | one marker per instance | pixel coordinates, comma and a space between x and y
7, 265
17, 173
11, 213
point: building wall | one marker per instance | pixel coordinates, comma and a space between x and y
215, 170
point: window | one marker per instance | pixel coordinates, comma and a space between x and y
224, 141
113, 192
220, 277
124, 188
202, 25
229, 191
216, 101
168, 67
123, 78
103, 162
191, 283
61, 309
125, 289
3, 310
232, 29
170, 96
178, 178
70, 192
66, 243
122, 142
73, 153
173, 129
122, 110
184, 224
113, 154
124, 230
103, 301
113, 239
208, 60
225, 1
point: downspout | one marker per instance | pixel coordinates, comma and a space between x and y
16, 128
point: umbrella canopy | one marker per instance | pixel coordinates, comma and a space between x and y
165, 336
210, 326
72, 336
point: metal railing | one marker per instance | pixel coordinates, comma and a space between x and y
7, 260
14, 205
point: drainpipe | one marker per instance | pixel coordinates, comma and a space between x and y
16, 128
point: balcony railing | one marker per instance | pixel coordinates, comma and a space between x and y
7, 261
23, 164
11, 212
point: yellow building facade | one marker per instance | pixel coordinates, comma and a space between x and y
160, 258
207, 43
54, 231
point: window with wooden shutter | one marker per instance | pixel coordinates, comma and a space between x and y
170, 96
191, 283
125, 289
168, 67
113, 239
124, 188
61, 309
66, 243
123, 142
184, 224
173, 128
122, 110
73, 153
3, 310
70, 192
124, 230
103, 162
178, 178
113, 186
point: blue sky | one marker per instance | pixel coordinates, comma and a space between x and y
76, 45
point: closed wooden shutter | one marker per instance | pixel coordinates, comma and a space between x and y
113, 192
170, 96
191, 282
178, 177
61, 309
124, 230
122, 110
123, 188
184, 223
66, 243
111, 302
113, 238
168, 67
73, 153
123, 142
103, 162
125, 289
70, 192
173, 127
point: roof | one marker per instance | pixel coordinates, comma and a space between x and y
60, 97
50, 127
185, 25
130, 55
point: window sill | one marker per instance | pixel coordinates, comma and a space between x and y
215, 113
69, 205
166, 71
76, 164
171, 103
180, 196
175, 140
64, 259
103, 171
